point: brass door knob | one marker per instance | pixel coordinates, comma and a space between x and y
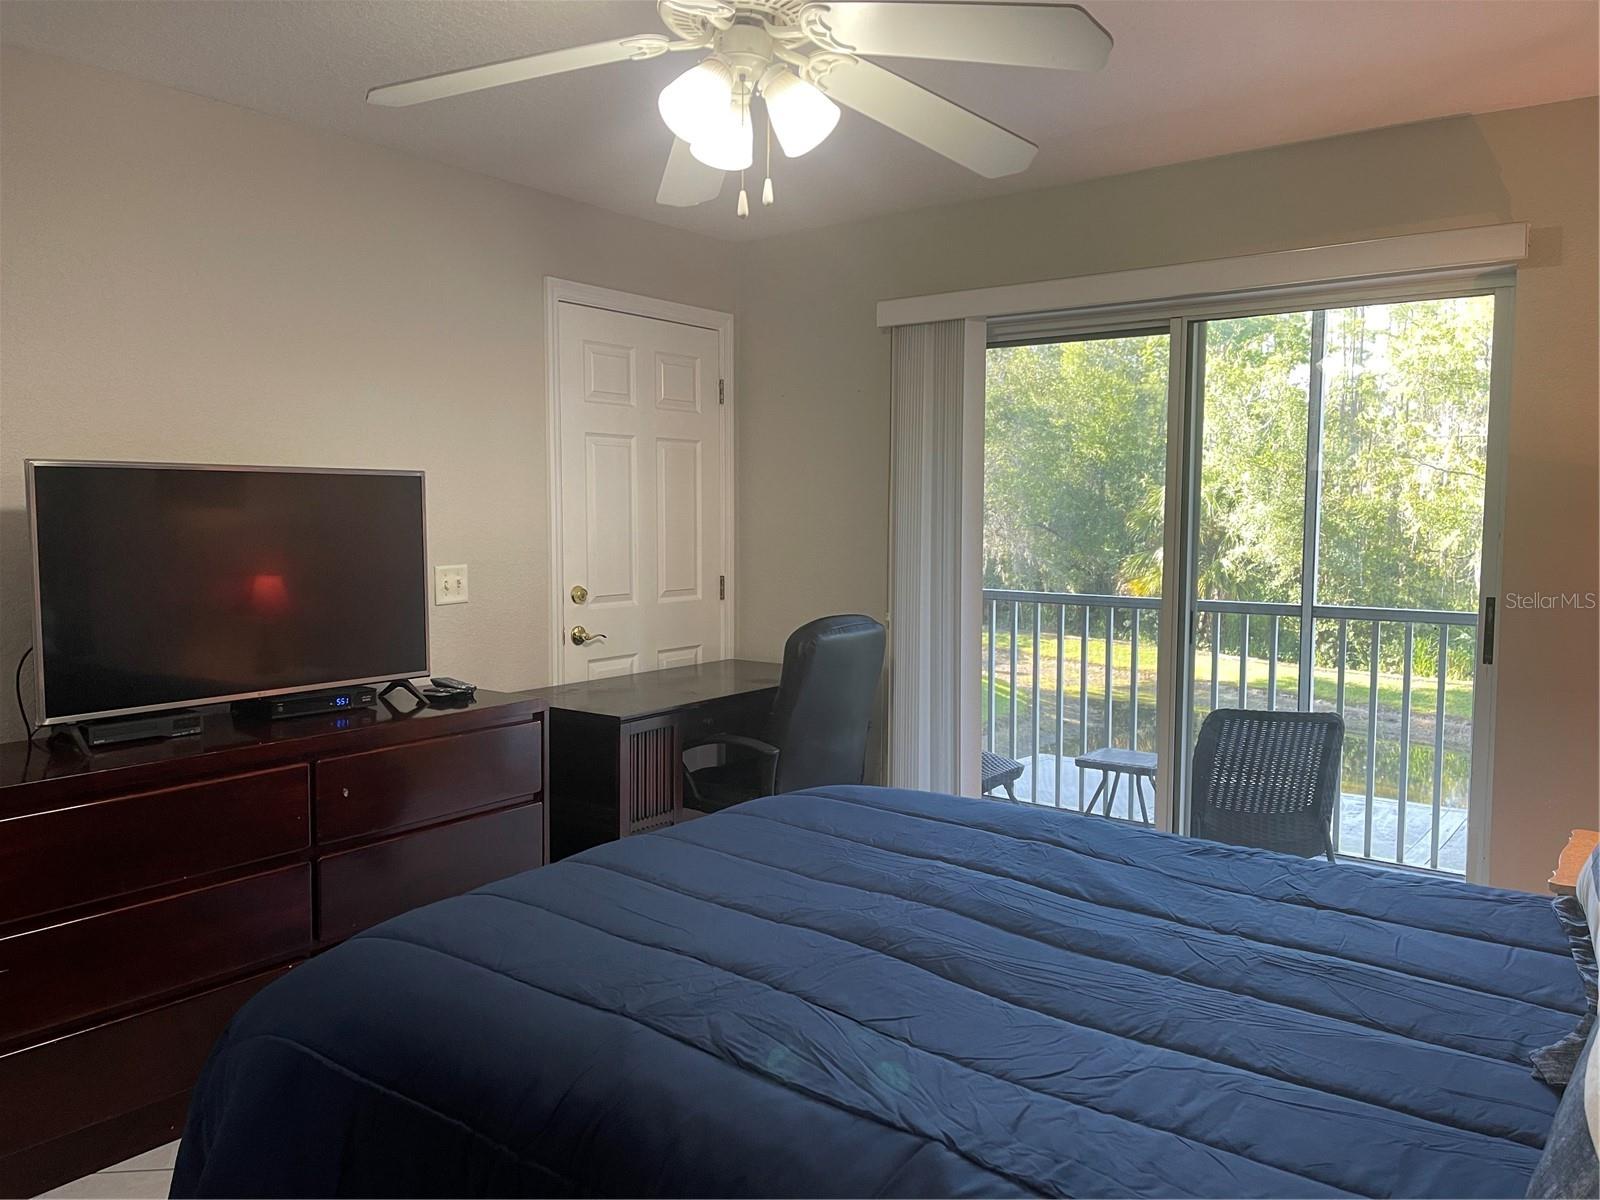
582, 637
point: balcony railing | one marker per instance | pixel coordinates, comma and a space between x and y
1065, 674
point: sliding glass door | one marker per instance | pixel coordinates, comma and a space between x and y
1297, 500
1339, 543
1075, 451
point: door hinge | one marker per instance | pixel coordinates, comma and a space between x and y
722, 391
1488, 631
722, 587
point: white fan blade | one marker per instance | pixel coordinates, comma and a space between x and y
687, 181
514, 70
1061, 36
939, 124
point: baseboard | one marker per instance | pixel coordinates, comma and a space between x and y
85, 1151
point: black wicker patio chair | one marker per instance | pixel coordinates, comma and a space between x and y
1268, 779
998, 771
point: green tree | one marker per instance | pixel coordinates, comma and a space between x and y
1075, 457
1404, 445
1074, 444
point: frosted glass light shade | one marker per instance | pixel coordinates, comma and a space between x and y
801, 115
730, 144
695, 103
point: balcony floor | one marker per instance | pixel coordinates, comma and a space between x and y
1351, 817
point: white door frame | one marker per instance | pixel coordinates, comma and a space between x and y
566, 291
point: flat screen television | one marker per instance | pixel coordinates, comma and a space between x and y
162, 585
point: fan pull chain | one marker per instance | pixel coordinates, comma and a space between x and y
746, 113
766, 186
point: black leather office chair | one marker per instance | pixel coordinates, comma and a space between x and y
817, 733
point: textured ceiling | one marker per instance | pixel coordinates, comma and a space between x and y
1188, 79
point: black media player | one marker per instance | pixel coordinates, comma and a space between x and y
308, 704
114, 731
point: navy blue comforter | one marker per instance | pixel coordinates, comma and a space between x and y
856, 991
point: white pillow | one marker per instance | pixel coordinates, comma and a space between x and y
1588, 894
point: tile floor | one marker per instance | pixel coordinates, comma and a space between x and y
146, 1176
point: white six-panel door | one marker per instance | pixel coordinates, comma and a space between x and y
641, 492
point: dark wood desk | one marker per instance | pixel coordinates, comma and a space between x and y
617, 743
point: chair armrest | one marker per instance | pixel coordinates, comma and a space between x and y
736, 739
767, 751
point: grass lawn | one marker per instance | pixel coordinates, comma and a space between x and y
1325, 680
1457, 732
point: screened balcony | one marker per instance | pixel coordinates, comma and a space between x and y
1066, 674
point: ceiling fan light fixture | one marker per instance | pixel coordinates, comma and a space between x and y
806, 59
730, 143
801, 115
695, 103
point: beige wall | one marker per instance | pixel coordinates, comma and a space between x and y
186, 280
814, 382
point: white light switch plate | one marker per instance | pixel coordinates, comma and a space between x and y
450, 585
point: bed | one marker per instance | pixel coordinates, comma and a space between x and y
862, 991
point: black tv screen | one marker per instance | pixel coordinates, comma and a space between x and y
160, 586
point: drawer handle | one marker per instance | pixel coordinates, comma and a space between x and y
345, 792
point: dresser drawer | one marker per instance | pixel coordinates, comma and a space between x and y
359, 888
381, 791
71, 1084
106, 848
72, 970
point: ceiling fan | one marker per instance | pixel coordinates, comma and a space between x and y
802, 60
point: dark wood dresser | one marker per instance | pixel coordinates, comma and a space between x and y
618, 764
146, 892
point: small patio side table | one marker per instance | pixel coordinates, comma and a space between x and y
1113, 764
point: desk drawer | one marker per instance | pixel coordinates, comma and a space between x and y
71, 971
381, 791
358, 888
107, 848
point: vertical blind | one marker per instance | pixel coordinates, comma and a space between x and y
934, 517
